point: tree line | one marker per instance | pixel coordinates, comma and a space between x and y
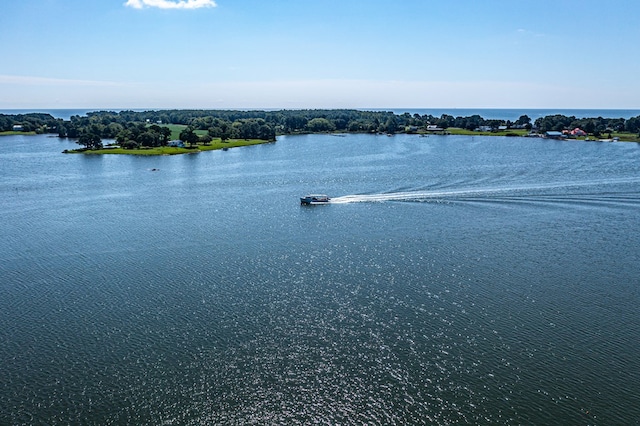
132, 129
30, 122
595, 126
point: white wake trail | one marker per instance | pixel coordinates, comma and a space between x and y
401, 196
566, 189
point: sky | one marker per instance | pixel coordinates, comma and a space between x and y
264, 54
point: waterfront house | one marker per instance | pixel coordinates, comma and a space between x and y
18, 128
555, 135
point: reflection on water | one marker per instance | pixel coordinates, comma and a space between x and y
450, 280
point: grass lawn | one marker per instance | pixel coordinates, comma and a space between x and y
465, 132
624, 137
12, 133
177, 128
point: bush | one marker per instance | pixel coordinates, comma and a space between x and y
130, 144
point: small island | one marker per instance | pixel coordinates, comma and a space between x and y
168, 132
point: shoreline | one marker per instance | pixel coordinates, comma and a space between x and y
622, 137
170, 150
236, 143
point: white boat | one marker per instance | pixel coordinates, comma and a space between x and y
314, 199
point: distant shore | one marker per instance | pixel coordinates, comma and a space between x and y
488, 113
171, 132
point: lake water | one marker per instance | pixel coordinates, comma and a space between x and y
467, 280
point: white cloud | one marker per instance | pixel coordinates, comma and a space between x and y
169, 4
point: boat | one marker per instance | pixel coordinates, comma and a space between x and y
312, 199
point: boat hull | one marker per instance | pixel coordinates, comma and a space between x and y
310, 200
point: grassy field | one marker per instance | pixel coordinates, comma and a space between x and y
465, 132
169, 150
624, 137
177, 128
12, 133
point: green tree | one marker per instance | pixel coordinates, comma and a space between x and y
189, 136
320, 125
166, 135
124, 136
90, 141
590, 127
148, 139
225, 132
632, 125
62, 131
111, 130
391, 125
523, 120
267, 133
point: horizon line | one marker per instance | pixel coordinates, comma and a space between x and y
97, 109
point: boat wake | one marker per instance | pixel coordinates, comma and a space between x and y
580, 191
413, 196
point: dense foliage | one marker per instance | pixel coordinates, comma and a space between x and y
31, 122
595, 126
132, 129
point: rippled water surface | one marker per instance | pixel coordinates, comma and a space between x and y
451, 280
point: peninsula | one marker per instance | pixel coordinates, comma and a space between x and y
165, 132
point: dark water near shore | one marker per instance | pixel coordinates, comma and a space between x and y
453, 280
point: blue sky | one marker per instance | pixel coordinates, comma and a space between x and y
319, 54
